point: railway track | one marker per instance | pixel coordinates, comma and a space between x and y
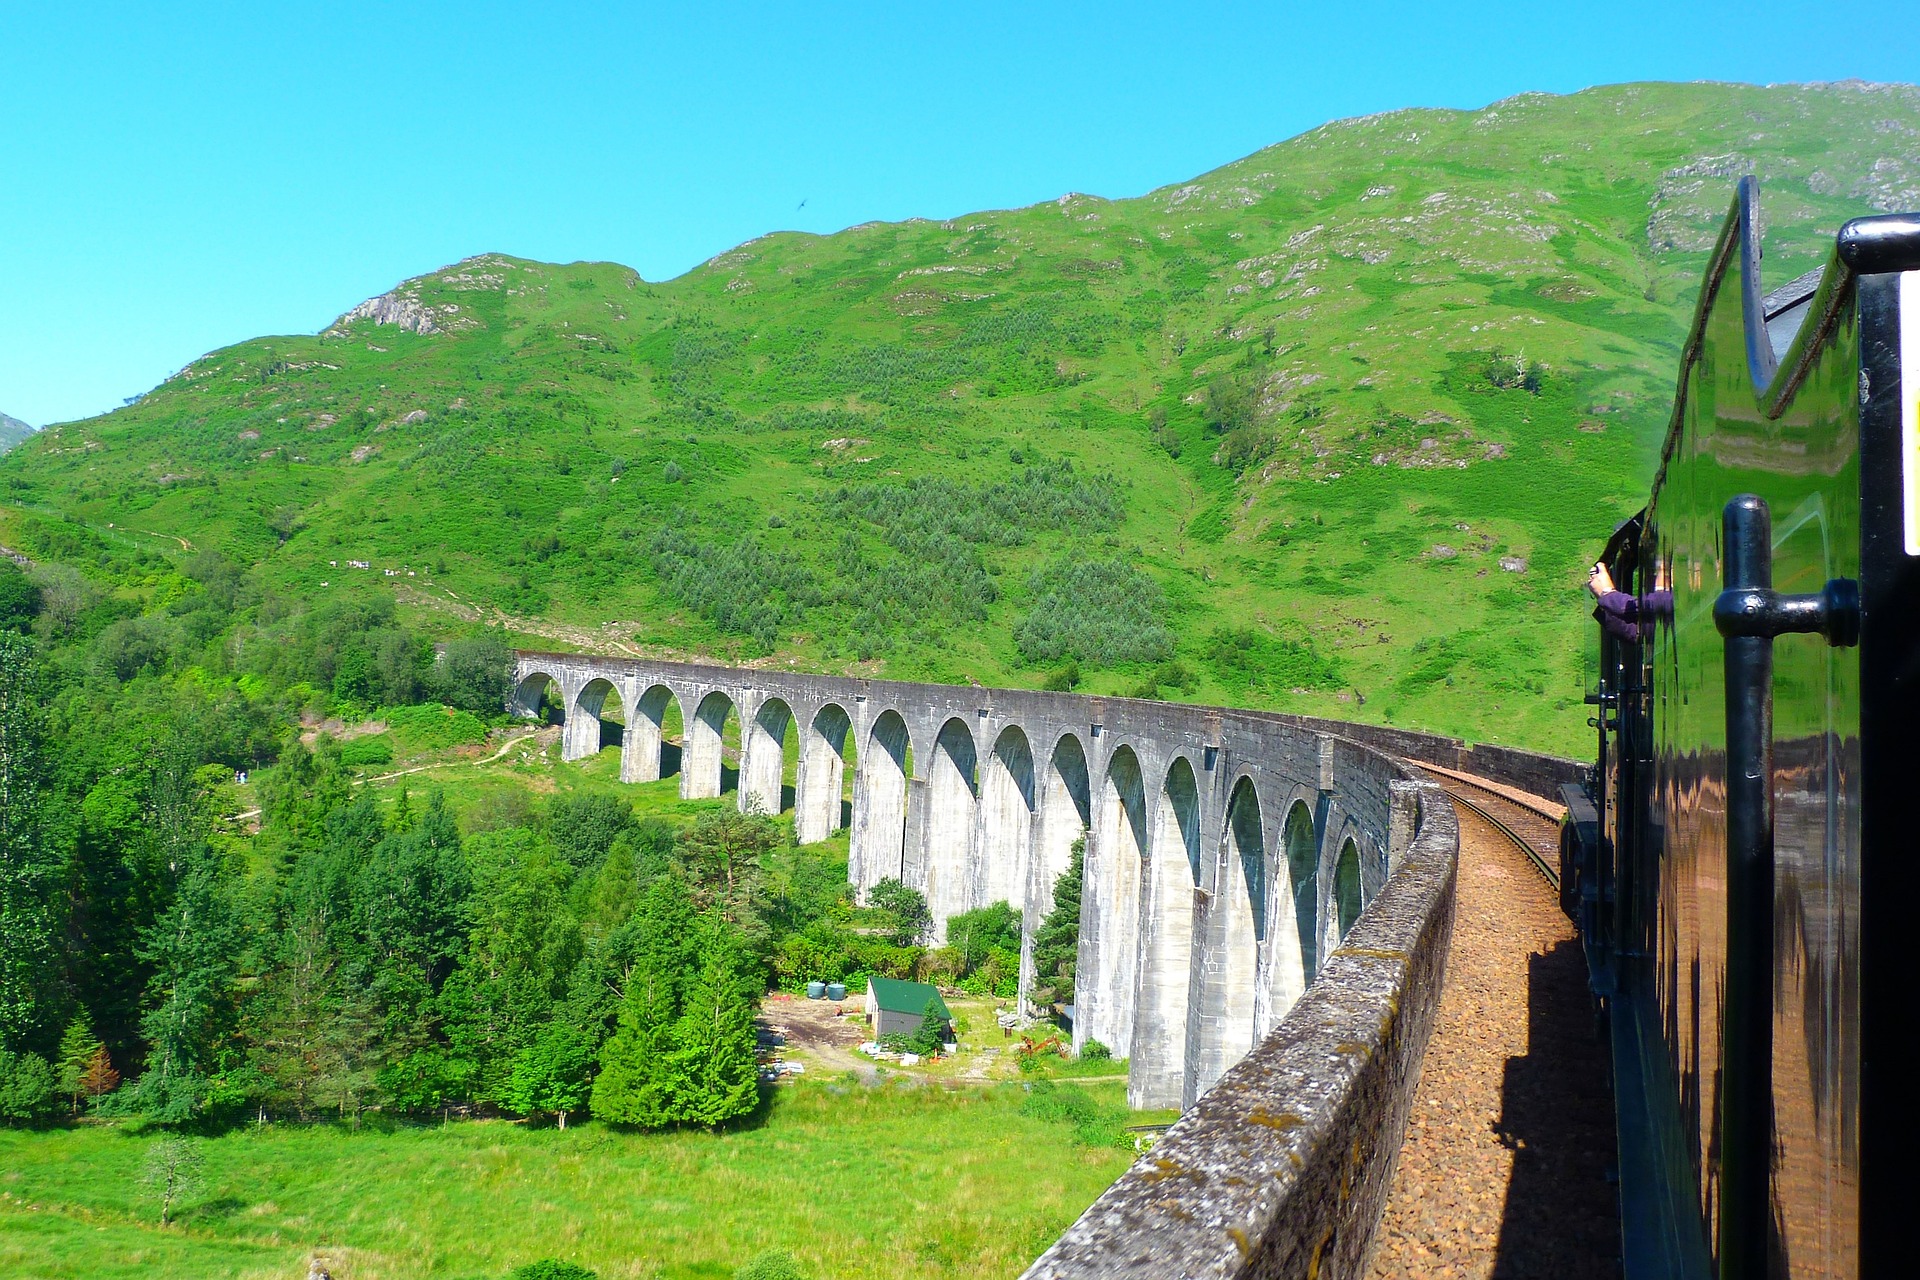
1533, 827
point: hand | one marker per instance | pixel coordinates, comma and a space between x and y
1599, 581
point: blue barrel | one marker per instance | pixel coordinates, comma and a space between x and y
836, 991
817, 989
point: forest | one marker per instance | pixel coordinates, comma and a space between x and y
343, 948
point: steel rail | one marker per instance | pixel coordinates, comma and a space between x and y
1534, 855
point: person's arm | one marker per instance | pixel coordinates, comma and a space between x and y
1619, 615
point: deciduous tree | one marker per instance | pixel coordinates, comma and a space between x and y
171, 1171
553, 1075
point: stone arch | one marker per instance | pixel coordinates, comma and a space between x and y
820, 782
1005, 840
703, 772
1229, 981
1066, 812
650, 755
1303, 865
953, 803
1158, 1063
1108, 970
763, 756
595, 720
1285, 940
878, 846
1348, 900
538, 696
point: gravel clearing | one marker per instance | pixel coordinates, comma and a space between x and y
1510, 1144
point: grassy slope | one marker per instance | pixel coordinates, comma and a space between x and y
1359, 276
882, 1182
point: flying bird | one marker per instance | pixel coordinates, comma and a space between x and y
803, 204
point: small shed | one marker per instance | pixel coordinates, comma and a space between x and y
895, 1007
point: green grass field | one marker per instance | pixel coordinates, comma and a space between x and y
884, 1182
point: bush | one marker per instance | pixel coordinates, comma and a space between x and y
974, 933
357, 753
432, 727
1094, 1051
908, 907
774, 1264
29, 1089
552, 1269
1246, 659
1093, 1125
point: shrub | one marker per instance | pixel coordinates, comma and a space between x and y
552, 1269
774, 1264
908, 907
432, 727
1247, 659
358, 753
927, 1039
1094, 1051
1093, 1125
1065, 680
976, 934
29, 1089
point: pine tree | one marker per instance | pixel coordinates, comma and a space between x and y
78, 1046
100, 1078
192, 947
714, 1042
637, 1084
1056, 944
28, 869
409, 901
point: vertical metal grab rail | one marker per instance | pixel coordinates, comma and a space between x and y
1749, 613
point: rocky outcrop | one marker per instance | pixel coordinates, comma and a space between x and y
402, 307
12, 432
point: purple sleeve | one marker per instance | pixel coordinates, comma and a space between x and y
1619, 615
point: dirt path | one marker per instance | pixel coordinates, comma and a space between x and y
1504, 1169
505, 747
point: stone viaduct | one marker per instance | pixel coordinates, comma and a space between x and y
1227, 852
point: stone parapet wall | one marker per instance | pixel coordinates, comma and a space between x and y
1531, 771
1283, 1168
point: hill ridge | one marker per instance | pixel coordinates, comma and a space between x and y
1328, 428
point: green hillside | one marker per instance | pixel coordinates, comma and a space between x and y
1333, 428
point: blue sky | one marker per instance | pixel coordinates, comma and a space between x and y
177, 177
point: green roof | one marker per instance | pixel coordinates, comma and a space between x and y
895, 996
